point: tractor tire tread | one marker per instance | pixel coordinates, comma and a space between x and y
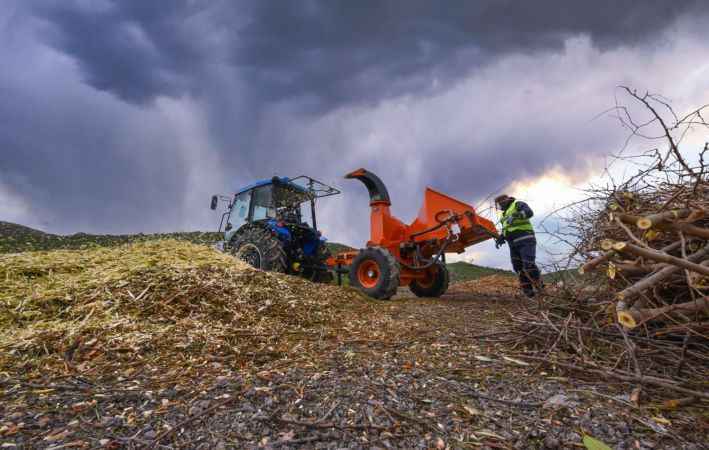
439, 287
394, 277
273, 256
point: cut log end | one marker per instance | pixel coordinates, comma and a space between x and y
626, 319
581, 271
612, 272
619, 246
607, 244
644, 223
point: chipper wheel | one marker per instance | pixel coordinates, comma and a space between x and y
436, 283
260, 248
375, 272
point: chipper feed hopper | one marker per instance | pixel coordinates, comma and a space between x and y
412, 255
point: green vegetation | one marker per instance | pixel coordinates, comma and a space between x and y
463, 271
336, 248
18, 238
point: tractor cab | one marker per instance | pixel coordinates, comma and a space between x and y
271, 224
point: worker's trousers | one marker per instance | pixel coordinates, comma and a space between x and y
523, 252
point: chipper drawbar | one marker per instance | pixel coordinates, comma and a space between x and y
410, 255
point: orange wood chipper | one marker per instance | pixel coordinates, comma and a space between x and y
410, 255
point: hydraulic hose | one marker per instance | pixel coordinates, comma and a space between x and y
431, 262
441, 223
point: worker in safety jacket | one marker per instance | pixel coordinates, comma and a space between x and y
518, 232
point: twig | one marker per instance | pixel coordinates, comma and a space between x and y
653, 381
209, 410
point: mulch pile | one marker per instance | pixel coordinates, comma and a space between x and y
171, 345
152, 315
491, 285
162, 304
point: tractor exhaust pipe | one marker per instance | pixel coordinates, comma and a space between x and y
378, 193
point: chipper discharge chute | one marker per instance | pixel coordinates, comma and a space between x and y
411, 255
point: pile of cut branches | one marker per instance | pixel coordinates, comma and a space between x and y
639, 311
654, 249
651, 232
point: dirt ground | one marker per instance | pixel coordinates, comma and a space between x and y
445, 374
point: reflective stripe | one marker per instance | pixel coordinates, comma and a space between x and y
529, 236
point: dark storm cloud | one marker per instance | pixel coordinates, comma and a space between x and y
91, 89
73, 159
328, 52
136, 49
342, 51
86, 166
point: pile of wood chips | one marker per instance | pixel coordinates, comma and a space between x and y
162, 305
491, 286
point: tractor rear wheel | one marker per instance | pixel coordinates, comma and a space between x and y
259, 248
375, 272
434, 285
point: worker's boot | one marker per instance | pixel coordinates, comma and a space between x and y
526, 285
540, 287
534, 278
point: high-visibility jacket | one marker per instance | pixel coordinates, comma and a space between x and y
518, 223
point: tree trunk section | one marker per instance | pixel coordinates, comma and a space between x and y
631, 318
659, 276
626, 247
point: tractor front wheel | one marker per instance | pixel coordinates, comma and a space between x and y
434, 285
375, 272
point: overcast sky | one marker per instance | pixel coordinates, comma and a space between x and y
125, 116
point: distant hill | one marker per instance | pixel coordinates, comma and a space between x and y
463, 271
15, 238
19, 238
336, 248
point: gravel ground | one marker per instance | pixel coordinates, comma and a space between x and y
447, 377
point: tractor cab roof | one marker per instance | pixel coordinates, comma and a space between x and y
302, 186
260, 183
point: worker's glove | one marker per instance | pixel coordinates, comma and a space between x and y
499, 242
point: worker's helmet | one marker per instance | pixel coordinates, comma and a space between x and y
503, 201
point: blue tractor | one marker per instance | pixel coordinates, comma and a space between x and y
267, 225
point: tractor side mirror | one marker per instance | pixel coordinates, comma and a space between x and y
228, 227
215, 201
